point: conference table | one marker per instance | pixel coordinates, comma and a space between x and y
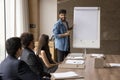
89, 72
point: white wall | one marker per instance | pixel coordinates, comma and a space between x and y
48, 16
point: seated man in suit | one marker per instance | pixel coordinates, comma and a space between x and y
13, 69
29, 56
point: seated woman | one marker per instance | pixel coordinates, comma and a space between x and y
44, 53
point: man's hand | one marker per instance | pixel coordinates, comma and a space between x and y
67, 33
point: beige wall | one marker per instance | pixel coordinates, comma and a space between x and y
48, 16
34, 17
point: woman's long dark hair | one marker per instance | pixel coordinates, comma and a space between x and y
43, 45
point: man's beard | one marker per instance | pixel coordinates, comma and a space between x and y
63, 19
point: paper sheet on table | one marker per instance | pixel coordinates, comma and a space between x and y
74, 61
76, 54
77, 57
65, 74
98, 55
114, 64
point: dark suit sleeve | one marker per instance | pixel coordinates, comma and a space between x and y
37, 66
34, 65
25, 73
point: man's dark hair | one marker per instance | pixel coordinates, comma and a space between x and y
63, 11
12, 45
26, 38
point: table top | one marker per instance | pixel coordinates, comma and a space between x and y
92, 73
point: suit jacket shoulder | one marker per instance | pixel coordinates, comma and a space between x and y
13, 69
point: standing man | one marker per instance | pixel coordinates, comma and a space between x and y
61, 32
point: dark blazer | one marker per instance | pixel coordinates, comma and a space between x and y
13, 69
34, 63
